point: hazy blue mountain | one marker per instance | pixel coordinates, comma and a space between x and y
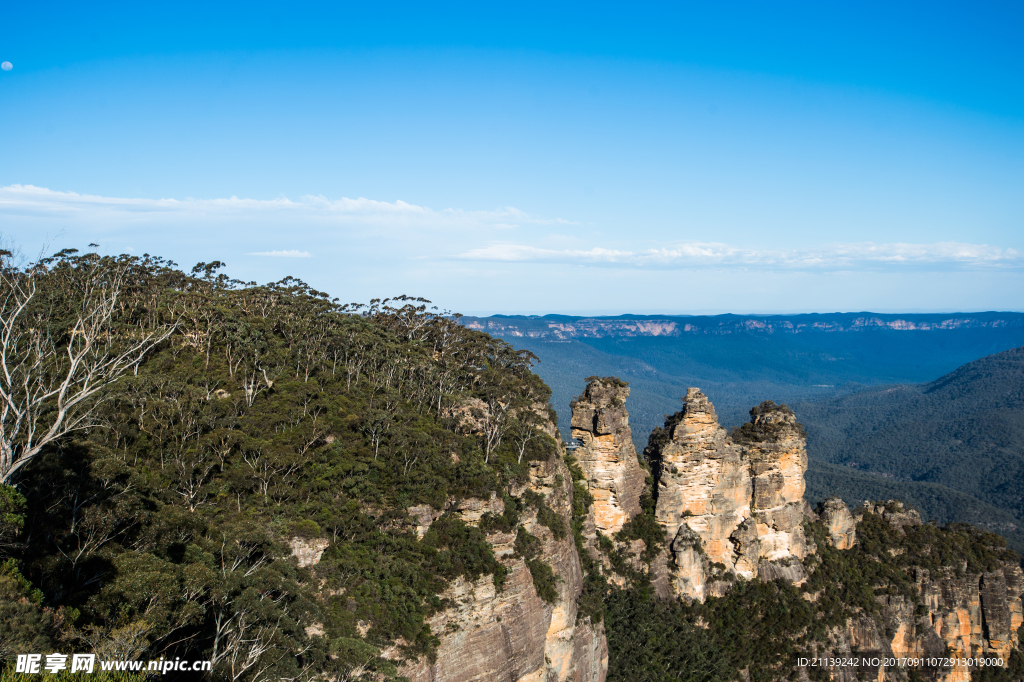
741, 360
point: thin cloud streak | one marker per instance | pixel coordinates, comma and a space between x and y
856, 256
292, 253
446, 228
41, 202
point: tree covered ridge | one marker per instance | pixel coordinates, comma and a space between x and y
161, 523
959, 441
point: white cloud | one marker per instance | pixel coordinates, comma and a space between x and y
40, 202
410, 232
856, 256
292, 253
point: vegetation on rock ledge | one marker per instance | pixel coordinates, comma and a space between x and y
763, 628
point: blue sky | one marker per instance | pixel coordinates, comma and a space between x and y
533, 157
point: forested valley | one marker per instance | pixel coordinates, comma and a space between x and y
954, 447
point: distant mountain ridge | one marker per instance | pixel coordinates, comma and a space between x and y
740, 360
559, 327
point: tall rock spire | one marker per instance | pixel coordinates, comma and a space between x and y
607, 456
730, 504
777, 446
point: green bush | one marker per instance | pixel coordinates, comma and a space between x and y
546, 516
529, 547
307, 529
644, 526
462, 550
544, 580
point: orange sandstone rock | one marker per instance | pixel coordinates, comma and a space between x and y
607, 456
734, 500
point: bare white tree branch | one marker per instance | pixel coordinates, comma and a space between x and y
59, 350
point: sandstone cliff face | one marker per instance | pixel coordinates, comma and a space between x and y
607, 457
513, 634
777, 448
974, 615
737, 503
962, 615
308, 551
839, 522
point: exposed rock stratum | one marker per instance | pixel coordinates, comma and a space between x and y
732, 508
513, 634
607, 456
730, 504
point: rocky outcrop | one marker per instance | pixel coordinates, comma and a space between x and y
689, 562
513, 634
607, 456
469, 416
703, 483
969, 615
973, 615
472, 509
953, 613
308, 551
777, 447
894, 512
839, 522
734, 500
422, 516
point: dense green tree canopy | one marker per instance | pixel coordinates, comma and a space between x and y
248, 418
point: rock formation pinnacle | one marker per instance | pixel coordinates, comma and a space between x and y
607, 456
839, 522
732, 503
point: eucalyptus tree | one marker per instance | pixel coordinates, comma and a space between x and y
70, 326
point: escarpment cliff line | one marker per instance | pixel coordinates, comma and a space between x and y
514, 633
607, 457
969, 614
952, 613
561, 327
732, 505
